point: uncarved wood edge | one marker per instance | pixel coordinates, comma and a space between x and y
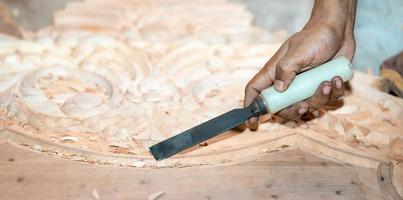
385, 180
334, 150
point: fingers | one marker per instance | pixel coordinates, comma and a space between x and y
258, 83
253, 123
262, 80
287, 67
321, 97
327, 90
255, 86
295, 111
337, 88
252, 90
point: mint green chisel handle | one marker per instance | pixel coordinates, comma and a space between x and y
305, 84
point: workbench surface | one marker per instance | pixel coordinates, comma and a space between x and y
288, 174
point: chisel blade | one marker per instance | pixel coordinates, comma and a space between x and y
200, 133
206, 130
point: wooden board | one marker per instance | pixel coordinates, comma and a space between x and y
101, 85
348, 134
288, 174
90, 95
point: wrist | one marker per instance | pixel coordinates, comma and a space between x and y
337, 15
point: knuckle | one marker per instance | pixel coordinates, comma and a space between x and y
281, 71
282, 66
317, 102
322, 101
286, 68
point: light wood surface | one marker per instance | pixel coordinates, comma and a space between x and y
270, 164
289, 174
104, 85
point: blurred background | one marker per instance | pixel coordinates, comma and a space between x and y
378, 30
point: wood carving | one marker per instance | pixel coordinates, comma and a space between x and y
102, 85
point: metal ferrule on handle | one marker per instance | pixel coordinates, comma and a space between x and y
305, 84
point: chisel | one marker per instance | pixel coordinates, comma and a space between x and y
270, 100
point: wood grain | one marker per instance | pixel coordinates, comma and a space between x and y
103, 85
289, 174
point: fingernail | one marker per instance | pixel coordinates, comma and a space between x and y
326, 89
338, 84
302, 110
278, 84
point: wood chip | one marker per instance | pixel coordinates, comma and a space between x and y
95, 194
137, 164
38, 147
155, 196
69, 138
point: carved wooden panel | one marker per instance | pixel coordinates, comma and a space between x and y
102, 85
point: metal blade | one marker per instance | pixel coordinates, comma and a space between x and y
201, 133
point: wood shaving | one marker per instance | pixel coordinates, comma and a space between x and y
137, 164
155, 196
94, 193
69, 139
38, 147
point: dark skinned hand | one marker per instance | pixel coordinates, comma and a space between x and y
327, 35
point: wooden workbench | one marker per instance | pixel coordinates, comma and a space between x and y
288, 174
275, 165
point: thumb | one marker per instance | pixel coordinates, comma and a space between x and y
286, 69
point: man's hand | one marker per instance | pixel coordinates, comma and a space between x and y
328, 34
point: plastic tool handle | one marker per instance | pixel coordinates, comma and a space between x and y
305, 84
